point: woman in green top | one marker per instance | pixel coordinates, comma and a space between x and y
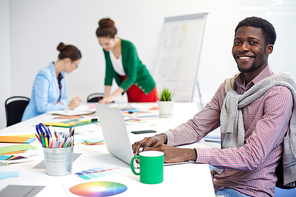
124, 65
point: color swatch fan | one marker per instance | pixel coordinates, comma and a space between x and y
98, 189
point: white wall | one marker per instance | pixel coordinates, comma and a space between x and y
5, 85
282, 14
37, 26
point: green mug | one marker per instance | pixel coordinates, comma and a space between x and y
151, 167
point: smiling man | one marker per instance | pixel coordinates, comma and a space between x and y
252, 109
251, 47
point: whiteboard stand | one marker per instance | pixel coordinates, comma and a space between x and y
178, 55
199, 94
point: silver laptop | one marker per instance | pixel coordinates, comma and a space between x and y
116, 135
115, 132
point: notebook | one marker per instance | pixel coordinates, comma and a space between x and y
115, 132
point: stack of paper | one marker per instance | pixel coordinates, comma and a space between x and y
14, 149
93, 141
25, 139
72, 112
5, 150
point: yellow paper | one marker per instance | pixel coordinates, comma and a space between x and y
59, 124
29, 135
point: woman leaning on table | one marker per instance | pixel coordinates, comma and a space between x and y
49, 89
124, 65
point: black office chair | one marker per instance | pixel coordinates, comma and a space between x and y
95, 97
14, 108
280, 189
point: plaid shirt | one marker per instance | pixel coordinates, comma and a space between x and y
249, 169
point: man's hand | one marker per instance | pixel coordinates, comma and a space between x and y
175, 155
171, 154
148, 142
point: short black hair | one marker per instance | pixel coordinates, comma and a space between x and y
267, 28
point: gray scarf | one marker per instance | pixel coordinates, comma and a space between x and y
232, 124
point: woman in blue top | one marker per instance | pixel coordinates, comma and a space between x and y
49, 89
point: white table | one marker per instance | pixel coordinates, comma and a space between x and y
179, 180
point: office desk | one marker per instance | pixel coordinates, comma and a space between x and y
179, 180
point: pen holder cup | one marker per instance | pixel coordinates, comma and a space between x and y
58, 161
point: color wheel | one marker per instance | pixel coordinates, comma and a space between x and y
98, 189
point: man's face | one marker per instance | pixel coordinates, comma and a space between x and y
249, 50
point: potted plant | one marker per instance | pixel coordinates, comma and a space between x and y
166, 103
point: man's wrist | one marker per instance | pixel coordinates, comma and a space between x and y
163, 137
192, 156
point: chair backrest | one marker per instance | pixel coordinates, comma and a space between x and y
95, 97
279, 172
14, 108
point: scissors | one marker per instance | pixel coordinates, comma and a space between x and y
41, 129
46, 130
37, 130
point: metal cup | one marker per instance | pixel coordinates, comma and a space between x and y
58, 161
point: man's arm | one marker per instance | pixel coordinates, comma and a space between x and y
264, 142
171, 154
175, 155
193, 130
205, 121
